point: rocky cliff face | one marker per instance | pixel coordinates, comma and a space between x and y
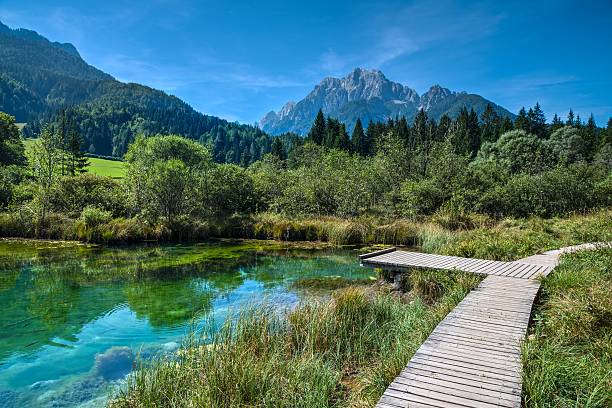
368, 95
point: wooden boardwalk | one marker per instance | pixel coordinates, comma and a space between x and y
473, 357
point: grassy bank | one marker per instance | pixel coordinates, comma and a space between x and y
568, 355
341, 352
468, 235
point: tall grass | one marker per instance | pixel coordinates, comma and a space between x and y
567, 357
340, 352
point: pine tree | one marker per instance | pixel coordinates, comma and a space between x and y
371, 137
570, 118
332, 130
318, 129
77, 162
342, 141
419, 130
402, 130
506, 125
444, 128
591, 137
277, 149
490, 125
537, 121
521, 121
607, 139
556, 123
578, 122
359, 139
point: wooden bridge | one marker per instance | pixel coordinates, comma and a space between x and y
473, 357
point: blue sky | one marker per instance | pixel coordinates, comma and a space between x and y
241, 59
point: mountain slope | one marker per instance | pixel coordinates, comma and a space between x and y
369, 95
38, 77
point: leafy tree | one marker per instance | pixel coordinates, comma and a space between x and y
11, 146
45, 162
518, 152
318, 131
568, 145
159, 165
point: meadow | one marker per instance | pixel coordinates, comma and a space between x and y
98, 166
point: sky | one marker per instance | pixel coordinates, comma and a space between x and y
240, 59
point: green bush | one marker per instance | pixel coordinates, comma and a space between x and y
93, 216
557, 192
422, 197
72, 194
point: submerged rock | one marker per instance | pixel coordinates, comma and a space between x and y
79, 393
9, 399
114, 363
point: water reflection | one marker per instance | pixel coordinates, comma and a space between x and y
74, 317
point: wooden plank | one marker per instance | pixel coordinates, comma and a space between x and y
459, 390
473, 357
377, 253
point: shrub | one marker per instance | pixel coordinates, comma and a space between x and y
421, 197
74, 193
93, 216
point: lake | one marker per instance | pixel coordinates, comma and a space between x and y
74, 317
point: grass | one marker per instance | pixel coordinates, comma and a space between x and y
567, 357
339, 352
105, 167
99, 166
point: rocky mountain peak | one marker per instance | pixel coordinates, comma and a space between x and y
367, 94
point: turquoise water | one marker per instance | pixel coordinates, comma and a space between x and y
74, 318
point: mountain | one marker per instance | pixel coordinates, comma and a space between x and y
369, 95
38, 77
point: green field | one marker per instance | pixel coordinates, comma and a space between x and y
101, 167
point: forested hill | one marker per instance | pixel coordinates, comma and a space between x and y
38, 77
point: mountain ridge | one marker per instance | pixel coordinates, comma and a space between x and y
39, 77
367, 94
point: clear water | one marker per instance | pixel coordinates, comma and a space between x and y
73, 318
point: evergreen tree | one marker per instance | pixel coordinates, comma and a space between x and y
490, 125
444, 128
359, 139
590, 135
506, 125
521, 122
342, 140
332, 131
318, 129
607, 139
371, 137
419, 130
77, 162
402, 130
277, 149
578, 122
467, 135
570, 118
537, 121
556, 123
